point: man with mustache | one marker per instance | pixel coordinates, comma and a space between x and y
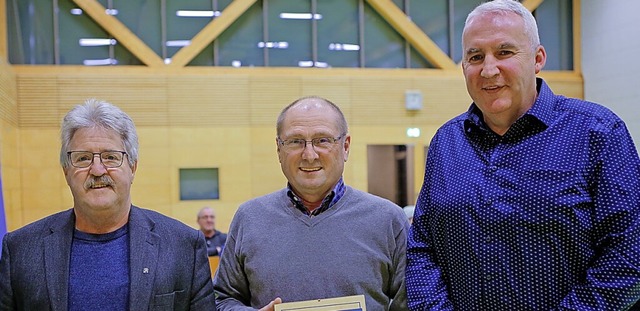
316, 238
104, 253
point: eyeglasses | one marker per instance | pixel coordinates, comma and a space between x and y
83, 159
320, 144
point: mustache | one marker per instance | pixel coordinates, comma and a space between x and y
100, 181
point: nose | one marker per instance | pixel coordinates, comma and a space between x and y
97, 168
309, 153
489, 67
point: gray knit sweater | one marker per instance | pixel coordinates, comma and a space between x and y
273, 250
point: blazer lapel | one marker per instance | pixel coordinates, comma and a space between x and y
57, 250
143, 258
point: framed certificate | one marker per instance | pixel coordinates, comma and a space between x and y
346, 303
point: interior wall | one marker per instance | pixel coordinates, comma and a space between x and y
610, 38
9, 140
218, 117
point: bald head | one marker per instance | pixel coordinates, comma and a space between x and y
313, 102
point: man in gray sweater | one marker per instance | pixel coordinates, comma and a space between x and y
317, 238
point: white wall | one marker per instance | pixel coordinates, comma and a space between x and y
611, 58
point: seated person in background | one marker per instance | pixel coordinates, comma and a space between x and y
316, 238
215, 239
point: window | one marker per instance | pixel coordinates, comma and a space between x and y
199, 184
282, 33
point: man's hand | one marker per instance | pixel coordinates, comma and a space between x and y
269, 307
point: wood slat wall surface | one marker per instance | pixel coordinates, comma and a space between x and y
8, 102
212, 117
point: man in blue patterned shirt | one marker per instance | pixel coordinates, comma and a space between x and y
531, 200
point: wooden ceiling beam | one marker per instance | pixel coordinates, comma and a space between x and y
210, 32
120, 32
412, 33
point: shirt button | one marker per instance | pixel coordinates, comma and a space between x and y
493, 168
488, 239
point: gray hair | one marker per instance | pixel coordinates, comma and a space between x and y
99, 114
509, 6
204, 209
342, 122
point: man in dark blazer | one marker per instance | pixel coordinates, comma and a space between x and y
104, 253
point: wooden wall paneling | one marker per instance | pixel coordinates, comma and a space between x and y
8, 95
337, 89
379, 100
209, 100
38, 101
143, 97
237, 133
269, 94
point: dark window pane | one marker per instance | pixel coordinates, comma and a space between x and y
291, 38
384, 47
76, 26
238, 45
246, 42
432, 17
418, 61
143, 18
555, 29
199, 184
460, 11
30, 31
183, 29
209, 55
338, 44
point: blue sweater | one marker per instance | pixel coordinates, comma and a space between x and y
99, 271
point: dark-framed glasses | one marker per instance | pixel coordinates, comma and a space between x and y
83, 159
320, 144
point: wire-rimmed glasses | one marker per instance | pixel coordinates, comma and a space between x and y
320, 144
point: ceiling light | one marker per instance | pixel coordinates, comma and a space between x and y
343, 47
191, 13
178, 43
97, 42
273, 45
100, 62
300, 16
308, 63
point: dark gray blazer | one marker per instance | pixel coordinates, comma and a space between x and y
169, 268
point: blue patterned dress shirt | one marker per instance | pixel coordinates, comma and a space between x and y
545, 217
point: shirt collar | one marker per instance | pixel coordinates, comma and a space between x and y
330, 200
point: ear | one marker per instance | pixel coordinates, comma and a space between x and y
134, 168
278, 151
541, 58
66, 172
346, 146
